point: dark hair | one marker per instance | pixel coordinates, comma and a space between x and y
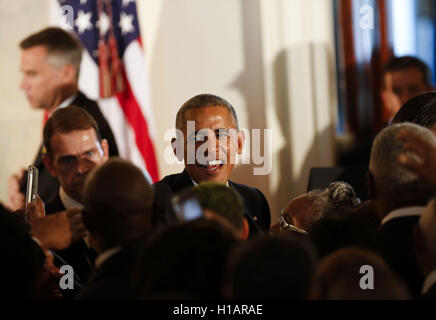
222, 200
187, 260
420, 110
58, 43
22, 259
339, 275
279, 267
201, 101
117, 202
343, 227
66, 120
406, 62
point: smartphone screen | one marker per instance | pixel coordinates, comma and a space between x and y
186, 206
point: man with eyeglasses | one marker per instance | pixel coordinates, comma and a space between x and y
303, 211
73, 148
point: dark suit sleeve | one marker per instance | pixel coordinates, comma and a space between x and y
255, 206
265, 213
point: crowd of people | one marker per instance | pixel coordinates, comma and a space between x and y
100, 230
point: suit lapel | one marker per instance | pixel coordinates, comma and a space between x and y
182, 181
248, 213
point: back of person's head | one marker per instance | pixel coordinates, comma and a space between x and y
389, 179
202, 101
66, 120
356, 274
367, 213
222, 200
337, 195
341, 194
62, 46
117, 203
278, 267
343, 227
407, 62
22, 259
186, 261
421, 110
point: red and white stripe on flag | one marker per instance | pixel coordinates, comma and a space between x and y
129, 113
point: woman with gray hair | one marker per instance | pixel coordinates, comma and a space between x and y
302, 211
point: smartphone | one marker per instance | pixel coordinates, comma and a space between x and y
186, 205
32, 184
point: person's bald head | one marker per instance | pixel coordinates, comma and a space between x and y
118, 201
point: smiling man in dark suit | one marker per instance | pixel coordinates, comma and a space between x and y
50, 64
208, 140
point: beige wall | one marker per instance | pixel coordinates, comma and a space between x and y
272, 59
20, 127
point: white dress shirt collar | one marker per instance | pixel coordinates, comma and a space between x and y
67, 101
429, 282
70, 203
403, 212
195, 183
67, 201
106, 255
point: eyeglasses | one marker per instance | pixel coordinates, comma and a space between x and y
285, 225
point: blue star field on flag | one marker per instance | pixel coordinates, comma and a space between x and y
88, 23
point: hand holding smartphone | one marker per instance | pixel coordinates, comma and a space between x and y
32, 184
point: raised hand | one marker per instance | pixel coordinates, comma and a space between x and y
421, 159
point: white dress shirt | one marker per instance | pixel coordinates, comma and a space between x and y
106, 255
67, 102
429, 282
67, 201
70, 203
403, 212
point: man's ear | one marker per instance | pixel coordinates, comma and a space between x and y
245, 231
372, 190
49, 165
241, 140
69, 73
177, 148
105, 148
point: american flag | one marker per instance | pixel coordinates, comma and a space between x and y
114, 72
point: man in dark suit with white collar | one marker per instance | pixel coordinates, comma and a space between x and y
399, 196
208, 140
74, 148
50, 64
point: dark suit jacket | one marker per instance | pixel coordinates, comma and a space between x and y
255, 205
48, 186
114, 279
77, 255
395, 240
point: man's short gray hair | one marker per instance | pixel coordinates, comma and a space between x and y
389, 176
63, 47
